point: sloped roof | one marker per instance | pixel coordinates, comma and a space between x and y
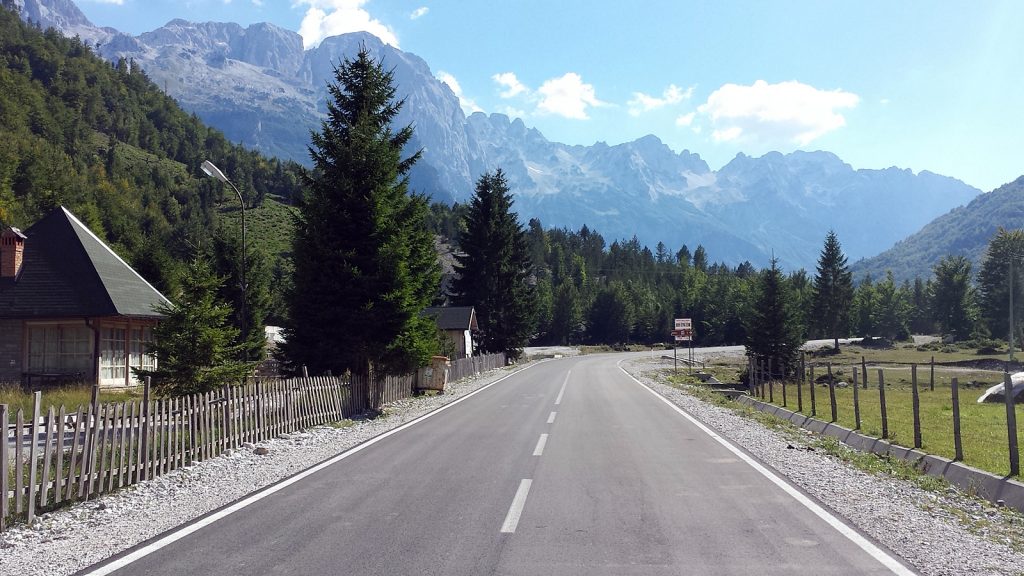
452, 317
68, 271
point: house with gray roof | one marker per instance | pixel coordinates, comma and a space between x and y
71, 309
458, 323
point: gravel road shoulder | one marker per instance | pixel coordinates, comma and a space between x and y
70, 539
940, 533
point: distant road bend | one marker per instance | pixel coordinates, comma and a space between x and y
570, 467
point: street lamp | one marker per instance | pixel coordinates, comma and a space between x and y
211, 170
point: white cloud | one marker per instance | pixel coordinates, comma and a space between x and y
686, 119
567, 96
513, 87
468, 104
326, 18
419, 13
641, 102
787, 112
513, 112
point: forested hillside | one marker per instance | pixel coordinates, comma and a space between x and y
107, 143
964, 231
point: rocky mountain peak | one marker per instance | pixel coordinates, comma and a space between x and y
260, 87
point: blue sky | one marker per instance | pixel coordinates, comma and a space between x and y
933, 86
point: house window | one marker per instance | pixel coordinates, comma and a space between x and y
112, 354
59, 349
138, 358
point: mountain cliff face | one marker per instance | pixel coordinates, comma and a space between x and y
261, 88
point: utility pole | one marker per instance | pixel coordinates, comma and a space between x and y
1011, 308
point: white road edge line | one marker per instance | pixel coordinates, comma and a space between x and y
516, 509
874, 551
562, 391
551, 418
539, 450
202, 523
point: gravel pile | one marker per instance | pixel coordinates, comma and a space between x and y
947, 533
70, 539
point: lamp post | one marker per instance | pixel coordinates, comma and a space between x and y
211, 170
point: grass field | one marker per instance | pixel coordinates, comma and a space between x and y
983, 426
69, 397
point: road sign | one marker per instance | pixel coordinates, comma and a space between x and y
684, 329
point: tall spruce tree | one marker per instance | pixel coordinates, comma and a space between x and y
953, 297
833, 290
365, 263
773, 327
1005, 252
494, 269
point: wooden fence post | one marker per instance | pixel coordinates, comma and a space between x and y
771, 382
1011, 424
70, 490
19, 462
44, 487
800, 391
856, 400
864, 370
916, 399
814, 402
881, 401
931, 381
832, 394
750, 376
37, 399
5, 505
800, 383
144, 427
784, 389
958, 446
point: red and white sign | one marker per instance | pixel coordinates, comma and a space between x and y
684, 329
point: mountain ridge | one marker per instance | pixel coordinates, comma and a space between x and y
963, 231
261, 88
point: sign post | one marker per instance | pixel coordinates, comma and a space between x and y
683, 332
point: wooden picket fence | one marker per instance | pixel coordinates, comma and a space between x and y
464, 367
47, 460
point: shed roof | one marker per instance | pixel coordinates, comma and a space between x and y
453, 317
68, 271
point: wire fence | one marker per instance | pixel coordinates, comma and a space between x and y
919, 406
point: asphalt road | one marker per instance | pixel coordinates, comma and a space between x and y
569, 467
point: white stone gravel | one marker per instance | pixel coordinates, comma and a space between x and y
70, 539
927, 529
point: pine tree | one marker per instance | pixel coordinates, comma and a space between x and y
833, 290
365, 263
226, 254
921, 321
494, 269
892, 309
194, 344
1005, 248
953, 298
773, 329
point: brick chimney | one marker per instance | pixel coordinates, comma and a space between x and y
12, 251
